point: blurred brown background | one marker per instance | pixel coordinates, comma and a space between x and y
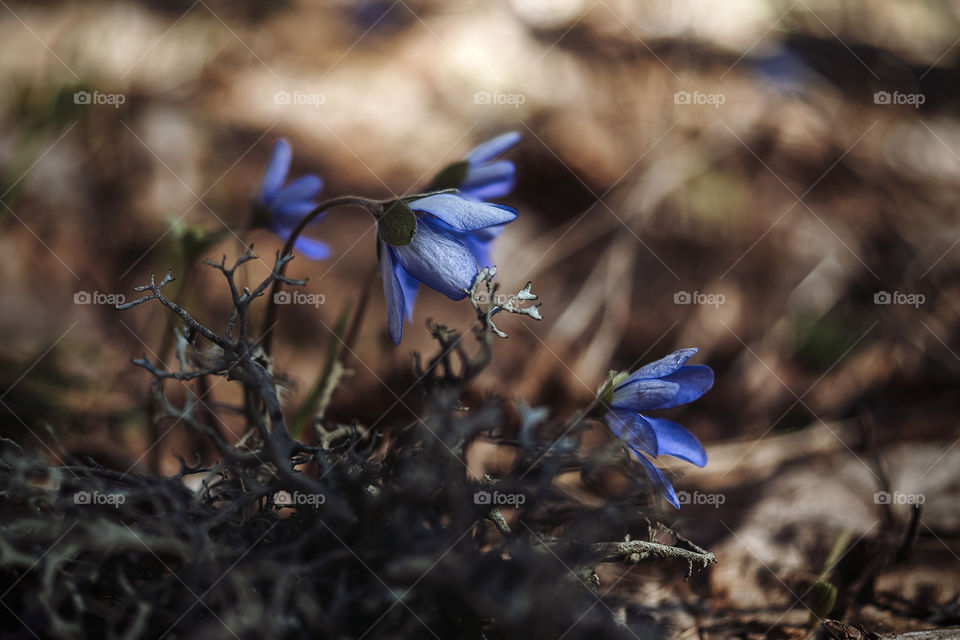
774, 182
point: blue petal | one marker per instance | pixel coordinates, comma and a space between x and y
485, 235
276, 172
643, 395
481, 249
633, 429
313, 249
675, 440
480, 242
302, 189
410, 286
490, 191
439, 261
694, 381
479, 235
660, 481
662, 367
489, 172
489, 181
463, 214
492, 148
393, 292
289, 215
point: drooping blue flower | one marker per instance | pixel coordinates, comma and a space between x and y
427, 241
663, 384
280, 208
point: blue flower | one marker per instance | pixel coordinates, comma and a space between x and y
280, 208
663, 384
427, 240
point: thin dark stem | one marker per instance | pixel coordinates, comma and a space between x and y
372, 206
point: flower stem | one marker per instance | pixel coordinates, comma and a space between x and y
373, 206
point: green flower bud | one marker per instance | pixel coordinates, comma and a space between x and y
398, 224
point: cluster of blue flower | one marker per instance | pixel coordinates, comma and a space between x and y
442, 237
451, 236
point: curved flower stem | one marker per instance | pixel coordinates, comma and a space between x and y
373, 206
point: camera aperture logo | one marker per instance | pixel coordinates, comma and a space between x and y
97, 297
314, 100
711, 99
299, 297
697, 297
299, 499
498, 499
911, 99
495, 97
495, 299
898, 297
714, 499
96, 498
98, 97
885, 497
